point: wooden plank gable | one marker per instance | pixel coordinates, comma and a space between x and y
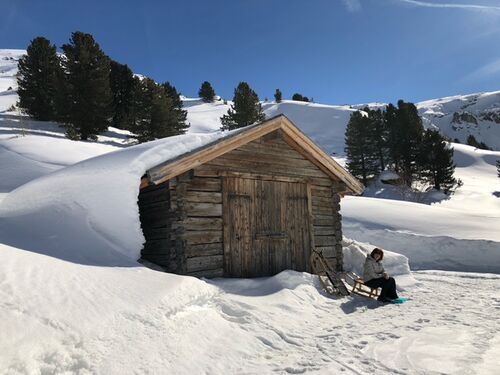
289, 133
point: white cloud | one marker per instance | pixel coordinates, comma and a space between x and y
352, 5
485, 71
452, 5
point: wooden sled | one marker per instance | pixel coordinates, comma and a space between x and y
359, 287
330, 279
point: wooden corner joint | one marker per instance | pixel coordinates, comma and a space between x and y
145, 183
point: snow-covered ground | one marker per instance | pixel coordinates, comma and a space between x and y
74, 300
61, 317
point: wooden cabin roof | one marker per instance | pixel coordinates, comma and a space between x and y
291, 134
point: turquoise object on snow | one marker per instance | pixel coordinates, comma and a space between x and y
399, 301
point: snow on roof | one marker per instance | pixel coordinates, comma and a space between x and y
87, 212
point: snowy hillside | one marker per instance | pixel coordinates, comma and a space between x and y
73, 300
8, 82
457, 117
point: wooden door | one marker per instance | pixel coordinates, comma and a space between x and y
266, 227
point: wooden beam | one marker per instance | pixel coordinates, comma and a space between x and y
204, 196
312, 235
206, 249
201, 264
227, 226
266, 177
202, 237
144, 183
203, 209
200, 223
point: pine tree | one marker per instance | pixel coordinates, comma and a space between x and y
298, 97
123, 89
89, 99
471, 141
156, 116
206, 92
245, 109
361, 153
436, 161
37, 80
405, 131
179, 125
278, 96
379, 135
390, 120
62, 95
144, 98
136, 111
172, 93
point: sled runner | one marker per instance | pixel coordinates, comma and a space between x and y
330, 279
359, 287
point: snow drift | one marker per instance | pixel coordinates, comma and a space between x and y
87, 212
396, 265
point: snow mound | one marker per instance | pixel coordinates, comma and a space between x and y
438, 252
396, 265
87, 212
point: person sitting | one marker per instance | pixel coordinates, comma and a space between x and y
374, 276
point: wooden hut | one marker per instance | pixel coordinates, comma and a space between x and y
251, 204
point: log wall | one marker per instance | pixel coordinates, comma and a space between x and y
192, 204
199, 231
156, 218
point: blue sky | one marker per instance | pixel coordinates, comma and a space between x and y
336, 51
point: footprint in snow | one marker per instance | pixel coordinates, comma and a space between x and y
361, 345
422, 320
